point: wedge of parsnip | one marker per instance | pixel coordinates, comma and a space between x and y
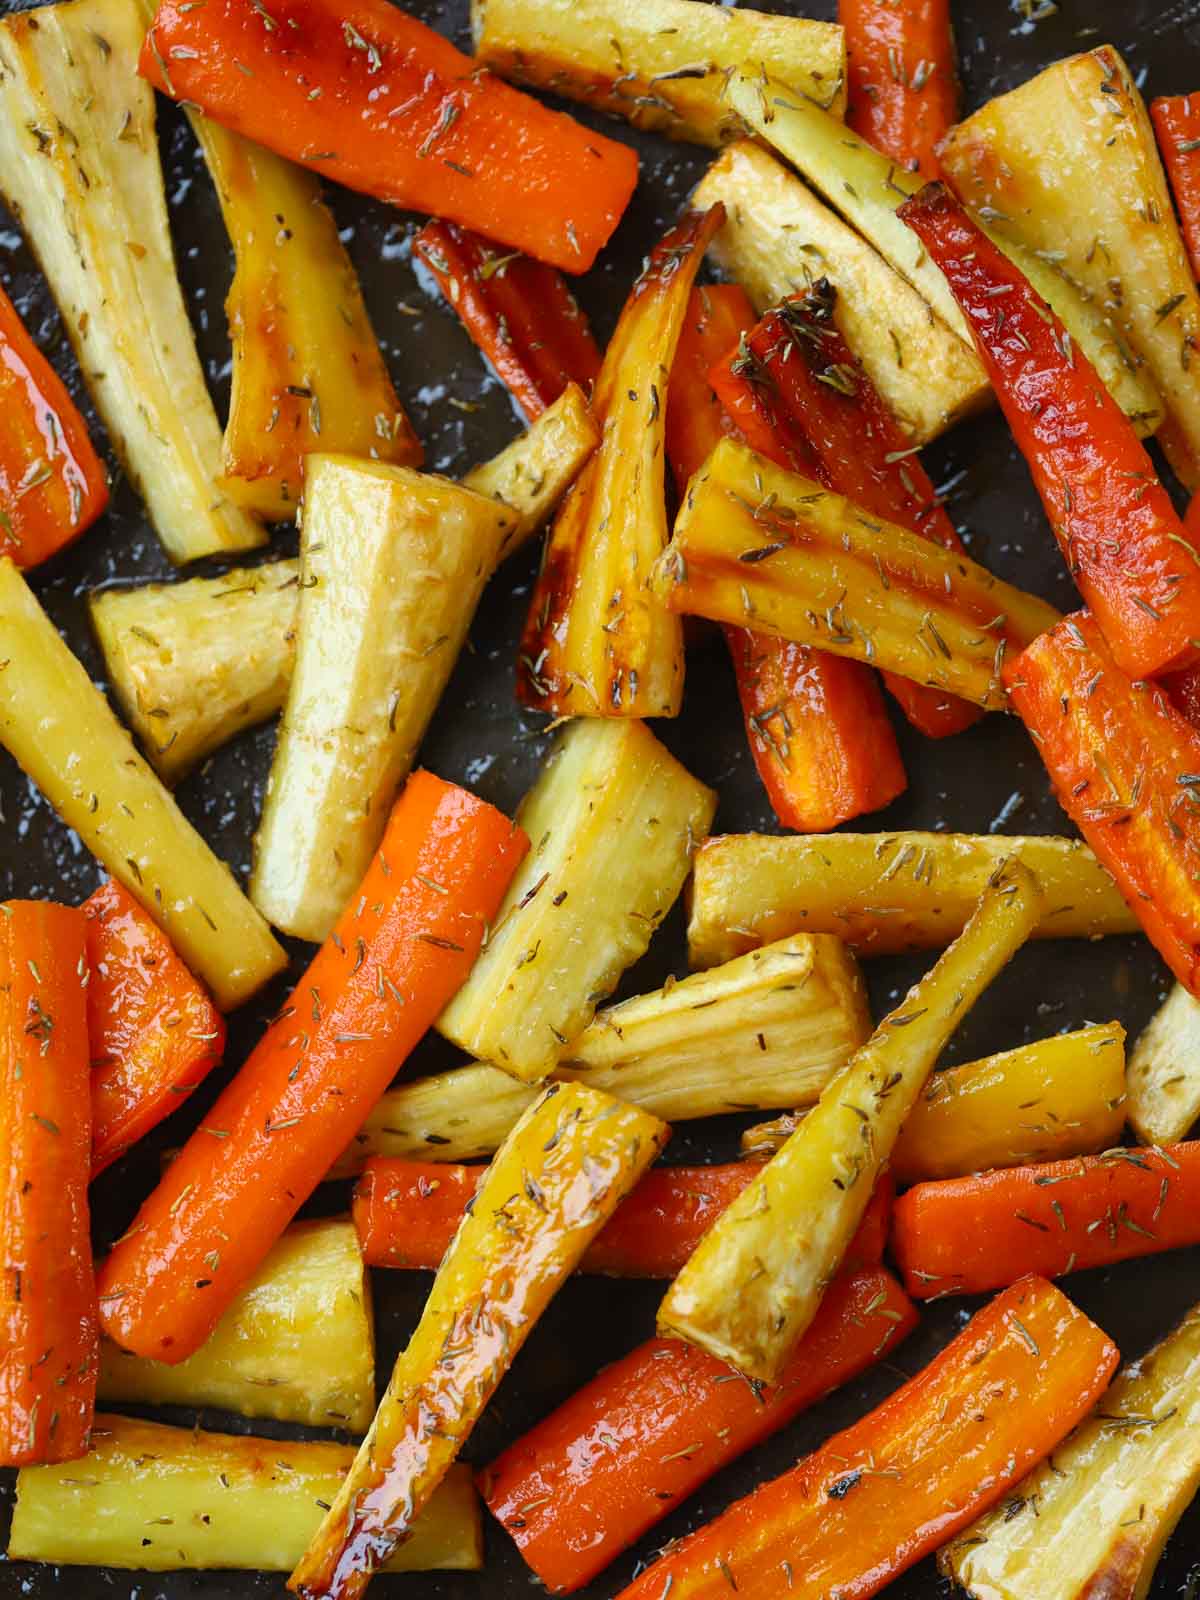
79, 166
1164, 1072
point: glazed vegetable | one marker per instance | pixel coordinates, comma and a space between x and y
645, 1433
58, 726
816, 723
296, 1344
1164, 1072
308, 373
79, 166
48, 1340
153, 1032
902, 77
596, 641
163, 1499
52, 483
517, 310
392, 566
794, 380
759, 546
555, 1181
887, 1491
1113, 520
195, 663
661, 64
1066, 160
1125, 766
1176, 120
399, 950
779, 238
884, 892
752, 1286
1093, 1519
614, 820
400, 114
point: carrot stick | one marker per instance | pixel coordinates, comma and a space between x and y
802, 399
1176, 120
1114, 523
1125, 765
368, 96
902, 77
49, 1346
406, 1213
629, 1446
52, 483
517, 310
905, 1479
816, 725
968, 1235
154, 1032
401, 948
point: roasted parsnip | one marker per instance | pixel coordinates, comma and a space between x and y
614, 821
662, 64
1067, 165
884, 892
755, 1281
778, 239
763, 548
195, 663
558, 1177
57, 725
296, 1345
1164, 1072
392, 565
164, 1499
79, 165
308, 373
597, 642
1093, 1519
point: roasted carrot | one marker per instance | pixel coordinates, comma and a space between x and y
816, 725
52, 483
154, 1032
406, 1213
1114, 523
365, 94
902, 77
401, 948
802, 399
1176, 120
645, 1433
49, 1345
517, 310
968, 1235
893, 1487
1125, 765
1184, 691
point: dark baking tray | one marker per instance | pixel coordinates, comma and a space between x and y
986, 778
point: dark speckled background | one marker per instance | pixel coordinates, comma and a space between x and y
988, 777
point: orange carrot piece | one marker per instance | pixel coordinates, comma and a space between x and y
1125, 765
901, 77
887, 1491
155, 1033
52, 483
1176, 120
370, 97
517, 310
406, 1213
802, 399
969, 1235
645, 1433
401, 949
49, 1345
816, 723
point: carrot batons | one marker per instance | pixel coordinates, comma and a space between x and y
902, 87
